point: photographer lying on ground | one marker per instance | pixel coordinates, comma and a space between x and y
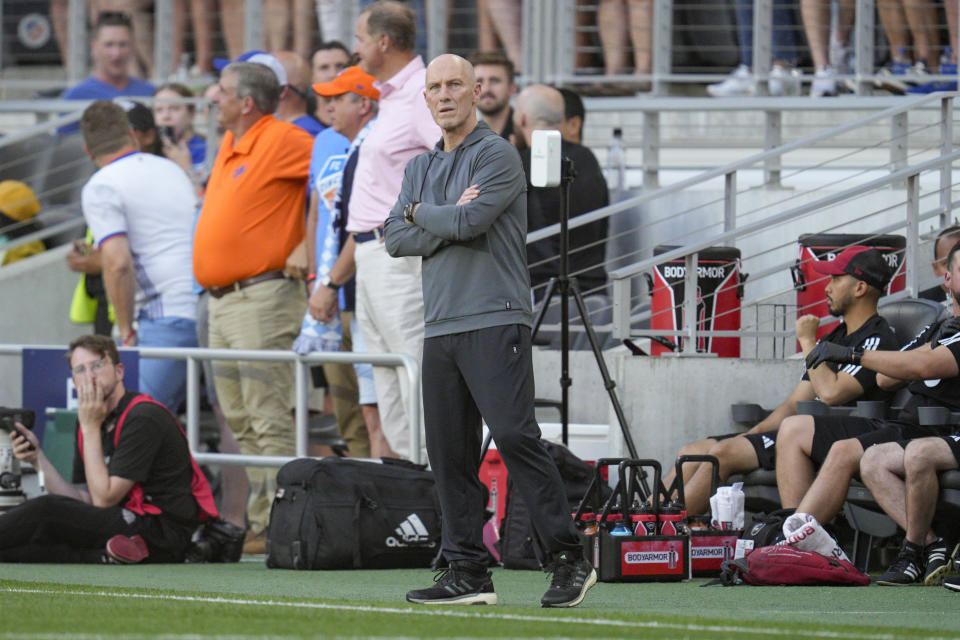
137, 493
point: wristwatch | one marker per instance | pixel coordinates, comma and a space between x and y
325, 281
408, 211
856, 355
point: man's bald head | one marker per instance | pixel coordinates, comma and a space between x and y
451, 92
298, 70
537, 107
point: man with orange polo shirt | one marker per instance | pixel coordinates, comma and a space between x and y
252, 219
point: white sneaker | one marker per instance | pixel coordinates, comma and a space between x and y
841, 57
738, 83
824, 83
783, 81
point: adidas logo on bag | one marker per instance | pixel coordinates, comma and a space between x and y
411, 531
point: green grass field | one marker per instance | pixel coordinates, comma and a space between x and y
247, 600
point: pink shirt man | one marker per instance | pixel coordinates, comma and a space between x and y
402, 130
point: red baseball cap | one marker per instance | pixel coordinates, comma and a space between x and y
350, 80
863, 263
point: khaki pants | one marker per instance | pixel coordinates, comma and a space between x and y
255, 396
343, 390
390, 315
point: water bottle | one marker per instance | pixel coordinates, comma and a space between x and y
621, 530
182, 74
331, 334
617, 164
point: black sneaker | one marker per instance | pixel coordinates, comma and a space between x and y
952, 583
905, 569
938, 563
571, 579
456, 586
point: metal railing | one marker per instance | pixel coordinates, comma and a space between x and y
555, 38
194, 357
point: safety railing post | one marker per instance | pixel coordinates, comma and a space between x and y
662, 43
772, 138
621, 308
193, 403
946, 171
253, 25
533, 40
76, 40
300, 408
690, 291
437, 21
730, 203
864, 25
566, 21
163, 62
762, 43
650, 147
898, 142
913, 233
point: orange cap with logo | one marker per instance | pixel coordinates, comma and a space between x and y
351, 80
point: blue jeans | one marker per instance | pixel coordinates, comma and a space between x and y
786, 26
165, 380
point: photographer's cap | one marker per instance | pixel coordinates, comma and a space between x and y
863, 263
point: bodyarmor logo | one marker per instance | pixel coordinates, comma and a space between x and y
714, 553
668, 557
411, 532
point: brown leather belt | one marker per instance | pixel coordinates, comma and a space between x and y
219, 292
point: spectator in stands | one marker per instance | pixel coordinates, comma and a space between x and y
477, 354
927, 364
179, 141
141, 15
293, 95
542, 107
499, 26
902, 22
330, 59
496, 77
389, 295
574, 116
136, 494
851, 296
111, 49
902, 475
277, 16
353, 103
941, 247
828, 47
18, 206
144, 126
614, 24
784, 79
252, 219
139, 208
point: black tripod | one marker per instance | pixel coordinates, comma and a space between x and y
567, 285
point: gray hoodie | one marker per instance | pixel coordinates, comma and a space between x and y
474, 255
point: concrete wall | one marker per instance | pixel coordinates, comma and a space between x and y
36, 295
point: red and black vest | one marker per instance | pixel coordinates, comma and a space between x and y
134, 498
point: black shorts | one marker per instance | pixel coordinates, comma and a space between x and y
953, 441
763, 444
867, 431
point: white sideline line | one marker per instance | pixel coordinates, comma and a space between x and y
426, 611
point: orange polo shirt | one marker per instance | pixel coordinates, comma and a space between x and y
253, 211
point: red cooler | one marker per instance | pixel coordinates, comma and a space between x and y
810, 285
719, 290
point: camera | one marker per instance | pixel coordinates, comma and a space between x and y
8, 418
216, 541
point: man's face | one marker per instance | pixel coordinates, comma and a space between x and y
327, 63
345, 114
840, 294
229, 106
88, 365
495, 88
367, 47
941, 250
111, 51
952, 278
450, 93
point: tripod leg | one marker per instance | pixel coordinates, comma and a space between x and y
544, 303
608, 382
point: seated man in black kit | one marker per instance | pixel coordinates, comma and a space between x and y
929, 364
858, 276
137, 493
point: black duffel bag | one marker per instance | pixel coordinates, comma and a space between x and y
337, 513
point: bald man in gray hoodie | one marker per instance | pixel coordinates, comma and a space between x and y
462, 207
